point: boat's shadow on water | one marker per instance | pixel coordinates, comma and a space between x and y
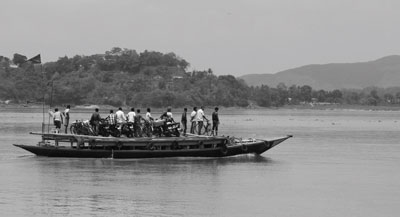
195, 160
108, 163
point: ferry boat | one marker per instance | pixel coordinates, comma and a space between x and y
82, 146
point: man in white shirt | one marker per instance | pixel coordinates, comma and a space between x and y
148, 115
200, 118
193, 120
120, 116
57, 119
169, 114
131, 116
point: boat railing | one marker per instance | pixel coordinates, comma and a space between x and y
161, 143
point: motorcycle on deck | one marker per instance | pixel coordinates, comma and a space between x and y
82, 128
165, 128
104, 128
127, 129
147, 129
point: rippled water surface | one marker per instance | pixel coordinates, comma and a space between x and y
339, 163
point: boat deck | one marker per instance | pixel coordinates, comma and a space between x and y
79, 146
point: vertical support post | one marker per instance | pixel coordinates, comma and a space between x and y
51, 102
43, 89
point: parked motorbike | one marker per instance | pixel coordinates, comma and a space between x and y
127, 129
82, 128
172, 129
104, 128
164, 128
158, 128
147, 129
114, 130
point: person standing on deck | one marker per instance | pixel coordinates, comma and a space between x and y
215, 122
148, 126
193, 119
66, 118
137, 125
200, 118
130, 117
95, 121
57, 119
184, 121
120, 116
169, 115
148, 115
112, 117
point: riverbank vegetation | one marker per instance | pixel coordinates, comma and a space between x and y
123, 77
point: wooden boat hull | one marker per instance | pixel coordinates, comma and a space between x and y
218, 147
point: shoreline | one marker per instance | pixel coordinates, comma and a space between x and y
286, 107
344, 107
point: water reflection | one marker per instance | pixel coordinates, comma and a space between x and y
76, 163
143, 186
331, 167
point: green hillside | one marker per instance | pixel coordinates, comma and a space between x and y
119, 77
123, 77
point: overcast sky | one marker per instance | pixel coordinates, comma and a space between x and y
231, 37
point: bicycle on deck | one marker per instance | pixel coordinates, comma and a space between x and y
204, 130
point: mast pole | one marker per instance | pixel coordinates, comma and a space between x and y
51, 102
44, 93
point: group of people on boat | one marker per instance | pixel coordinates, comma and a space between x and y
133, 118
60, 118
197, 119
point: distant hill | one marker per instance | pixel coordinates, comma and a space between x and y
384, 72
120, 78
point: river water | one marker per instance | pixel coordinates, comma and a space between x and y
339, 163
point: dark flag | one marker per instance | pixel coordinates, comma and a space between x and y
35, 59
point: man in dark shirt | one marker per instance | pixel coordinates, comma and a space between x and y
184, 121
95, 120
137, 124
215, 122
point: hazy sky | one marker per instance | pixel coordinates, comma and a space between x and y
231, 37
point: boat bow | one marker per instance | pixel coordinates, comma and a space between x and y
268, 144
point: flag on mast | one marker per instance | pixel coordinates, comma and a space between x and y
35, 60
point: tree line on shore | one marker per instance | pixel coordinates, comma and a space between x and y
123, 77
